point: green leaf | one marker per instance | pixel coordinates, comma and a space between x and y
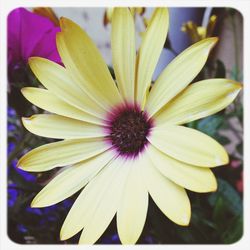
231, 199
219, 212
234, 231
236, 74
223, 140
192, 124
210, 125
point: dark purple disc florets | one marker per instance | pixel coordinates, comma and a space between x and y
128, 128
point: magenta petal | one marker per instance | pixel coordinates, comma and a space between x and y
30, 35
13, 36
46, 47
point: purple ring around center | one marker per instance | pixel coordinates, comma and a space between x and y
127, 128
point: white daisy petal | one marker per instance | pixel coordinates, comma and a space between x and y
60, 127
62, 153
48, 101
188, 145
71, 180
194, 178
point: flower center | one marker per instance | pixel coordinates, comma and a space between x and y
128, 130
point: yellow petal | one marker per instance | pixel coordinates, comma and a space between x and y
62, 153
171, 199
194, 178
199, 100
178, 74
152, 44
97, 204
104, 211
71, 180
123, 51
48, 101
132, 210
188, 145
57, 80
60, 127
86, 65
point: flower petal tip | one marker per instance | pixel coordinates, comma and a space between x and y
223, 160
220, 162
212, 42
18, 165
214, 38
33, 59
63, 236
215, 188
232, 83
65, 23
237, 85
37, 202
27, 120
33, 204
207, 43
24, 90
186, 220
62, 22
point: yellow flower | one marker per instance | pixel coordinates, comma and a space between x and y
124, 142
197, 33
134, 10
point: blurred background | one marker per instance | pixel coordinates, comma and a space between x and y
216, 217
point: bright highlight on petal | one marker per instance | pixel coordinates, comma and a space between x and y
123, 51
152, 44
199, 100
178, 74
59, 127
62, 153
188, 145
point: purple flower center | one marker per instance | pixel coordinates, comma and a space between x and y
128, 130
